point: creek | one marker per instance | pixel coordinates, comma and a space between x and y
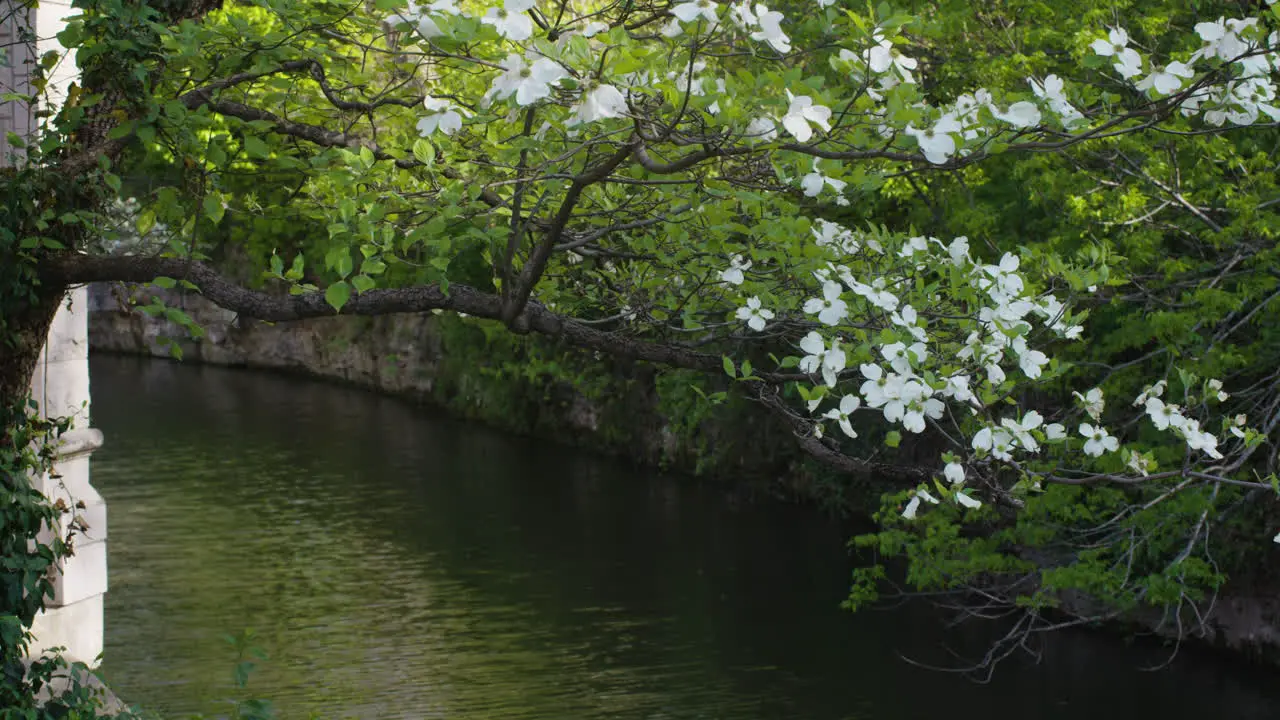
395, 563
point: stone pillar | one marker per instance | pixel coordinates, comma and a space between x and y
73, 616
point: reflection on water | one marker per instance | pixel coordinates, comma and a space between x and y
396, 564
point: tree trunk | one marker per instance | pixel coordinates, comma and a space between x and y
25, 330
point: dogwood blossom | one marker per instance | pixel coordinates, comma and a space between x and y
444, 117
936, 142
734, 274
883, 56
801, 113
1020, 115
813, 183
690, 11
900, 357
954, 473
967, 501
1092, 401
598, 103
755, 315
1166, 80
770, 24
1164, 415
848, 404
1098, 441
512, 20
762, 129
529, 83
820, 358
1053, 92
829, 308
1021, 429
1126, 60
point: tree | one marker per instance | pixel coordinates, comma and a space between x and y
731, 189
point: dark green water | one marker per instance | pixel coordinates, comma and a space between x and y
397, 564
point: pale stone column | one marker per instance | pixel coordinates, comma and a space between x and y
73, 617
60, 385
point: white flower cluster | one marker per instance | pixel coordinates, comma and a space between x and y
1250, 91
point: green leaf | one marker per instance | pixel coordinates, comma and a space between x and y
337, 294
213, 208
363, 283
424, 152
255, 148
146, 220
893, 438
728, 367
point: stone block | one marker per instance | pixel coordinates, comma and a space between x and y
82, 575
77, 627
69, 332
61, 389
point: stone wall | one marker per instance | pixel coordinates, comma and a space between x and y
629, 409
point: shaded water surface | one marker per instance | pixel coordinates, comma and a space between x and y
397, 564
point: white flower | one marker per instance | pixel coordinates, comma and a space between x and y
1021, 429
967, 501
672, 29
1020, 114
444, 117
1031, 362
1098, 441
1164, 416
1222, 38
830, 308
1237, 423
801, 113
1093, 402
770, 31
848, 404
737, 266
1151, 391
511, 20
755, 315
1215, 387
598, 103
1166, 80
900, 356
914, 504
1127, 61
875, 293
883, 56
1139, 463
997, 441
594, 28
1205, 442
830, 361
959, 251
954, 473
1053, 90
880, 388
936, 142
690, 11
813, 183
761, 129
529, 83
1054, 431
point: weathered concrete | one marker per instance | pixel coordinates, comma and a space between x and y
73, 617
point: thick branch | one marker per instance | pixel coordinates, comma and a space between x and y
73, 269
